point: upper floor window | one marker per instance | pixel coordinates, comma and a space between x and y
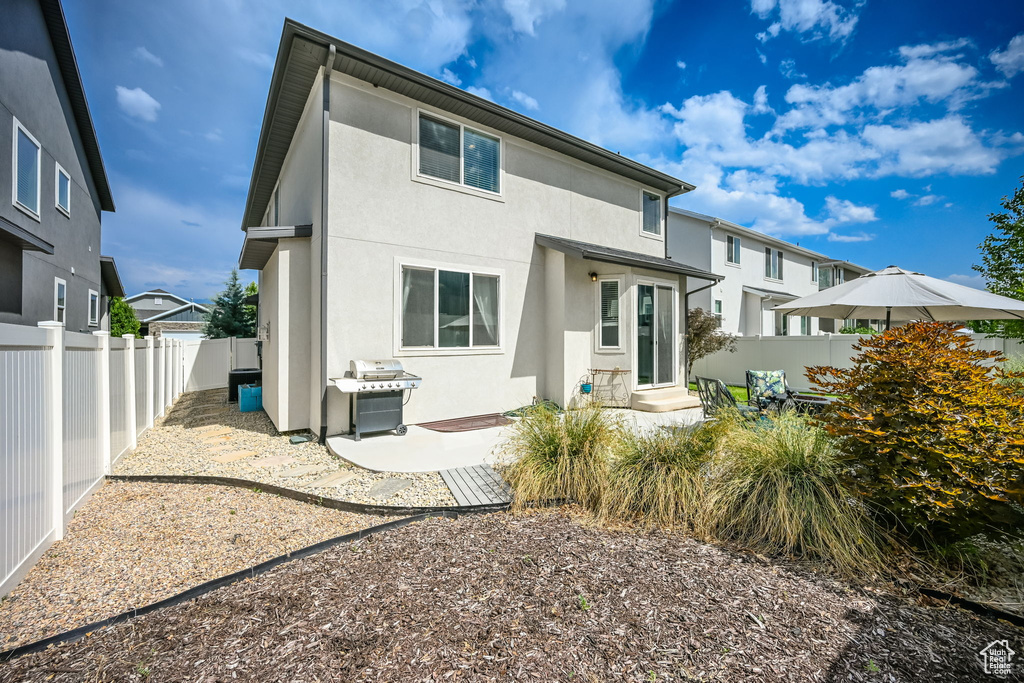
732, 249
60, 294
63, 191
840, 275
651, 214
718, 312
814, 271
94, 308
27, 179
452, 152
449, 308
609, 314
772, 263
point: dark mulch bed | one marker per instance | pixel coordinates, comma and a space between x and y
536, 597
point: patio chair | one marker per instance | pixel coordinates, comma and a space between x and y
768, 390
715, 396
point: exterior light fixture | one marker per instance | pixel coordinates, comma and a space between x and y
593, 277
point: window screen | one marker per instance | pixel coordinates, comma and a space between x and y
439, 149
59, 300
63, 190
28, 172
767, 261
94, 308
452, 309
485, 310
652, 213
610, 313
778, 266
481, 158
732, 252
417, 307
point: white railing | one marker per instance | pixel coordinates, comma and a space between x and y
795, 354
71, 405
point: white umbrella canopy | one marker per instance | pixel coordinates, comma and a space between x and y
897, 294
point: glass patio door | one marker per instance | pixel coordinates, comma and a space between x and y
655, 334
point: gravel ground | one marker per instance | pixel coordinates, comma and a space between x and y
182, 444
133, 544
533, 597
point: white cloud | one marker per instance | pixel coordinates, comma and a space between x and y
928, 200
977, 280
856, 237
1010, 61
214, 135
681, 64
924, 148
810, 19
844, 211
255, 57
931, 49
137, 103
449, 77
761, 101
480, 92
526, 14
787, 67
147, 56
525, 100
900, 194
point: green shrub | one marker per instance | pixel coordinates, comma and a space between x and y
776, 488
659, 477
928, 432
857, 330
560, 456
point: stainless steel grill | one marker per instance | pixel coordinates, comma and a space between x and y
377, 391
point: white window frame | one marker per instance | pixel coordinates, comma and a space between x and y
814, 272
716, 310
94, 321
738, 248
805, 325
448, 184
58, 172
14, 171
634, 321
775, 258
621, 280
57, 308
435, 350
660, 235
158, 301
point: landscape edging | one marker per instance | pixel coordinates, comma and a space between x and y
220, 582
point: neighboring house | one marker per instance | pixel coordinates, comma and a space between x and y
394, 216
163, 314
760, 271
832, 273
54, 188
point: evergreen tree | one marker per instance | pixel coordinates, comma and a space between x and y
1002, 256
251, 311
123, 319
229, 317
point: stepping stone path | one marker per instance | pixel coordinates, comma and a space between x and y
333, 479
207, 428
385, 488
273, 461
224, 448
301, 471
216, 440
218, 431
233, 456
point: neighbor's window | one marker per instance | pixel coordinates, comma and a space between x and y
840, 275
814, 271
609, 314
652, 213
63, 184
158, 301
732, 249
27, 168
449, 308
94, 308
60, 292
452, 152
772, 263
718, 311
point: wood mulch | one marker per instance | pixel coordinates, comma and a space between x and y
541, 597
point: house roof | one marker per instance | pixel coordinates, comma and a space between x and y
846, 264
68, 65
158, 292
260, 243
772, 294
303, 51
111, 280
721, 223
596, 252
23, 239
160, 315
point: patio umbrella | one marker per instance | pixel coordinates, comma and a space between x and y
896, 294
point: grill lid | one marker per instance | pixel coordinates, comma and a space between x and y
375, 369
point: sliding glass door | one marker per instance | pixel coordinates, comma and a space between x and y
655, 336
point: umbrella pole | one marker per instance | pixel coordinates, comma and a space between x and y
888, 318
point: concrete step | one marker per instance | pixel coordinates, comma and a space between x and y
663, 400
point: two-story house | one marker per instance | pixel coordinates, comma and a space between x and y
395, 216
54, 186
163, 314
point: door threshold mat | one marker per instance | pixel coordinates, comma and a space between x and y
467, 424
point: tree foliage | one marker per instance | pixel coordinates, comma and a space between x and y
251, 311
703, 337
229, 317
1002, 261
123, 319
928, 430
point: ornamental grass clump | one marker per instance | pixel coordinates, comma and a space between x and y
560, 457
659, 477
932, 431
776, 489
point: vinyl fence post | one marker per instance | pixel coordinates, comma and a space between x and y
103, 396
150, 378
129, 372
55, 412
159, 376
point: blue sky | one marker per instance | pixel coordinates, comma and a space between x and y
878, 132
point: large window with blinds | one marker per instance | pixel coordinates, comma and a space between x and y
651, 208
27, 167
449, 309
609, 312
454, 153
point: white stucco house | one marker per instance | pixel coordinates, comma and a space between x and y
395, 216
760, 272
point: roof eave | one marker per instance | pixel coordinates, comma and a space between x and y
110, 276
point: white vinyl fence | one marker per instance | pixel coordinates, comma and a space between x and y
71, 405
795, 354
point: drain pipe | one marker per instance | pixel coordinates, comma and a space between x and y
686, 313
325, 160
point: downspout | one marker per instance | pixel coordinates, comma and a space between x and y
325, 160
